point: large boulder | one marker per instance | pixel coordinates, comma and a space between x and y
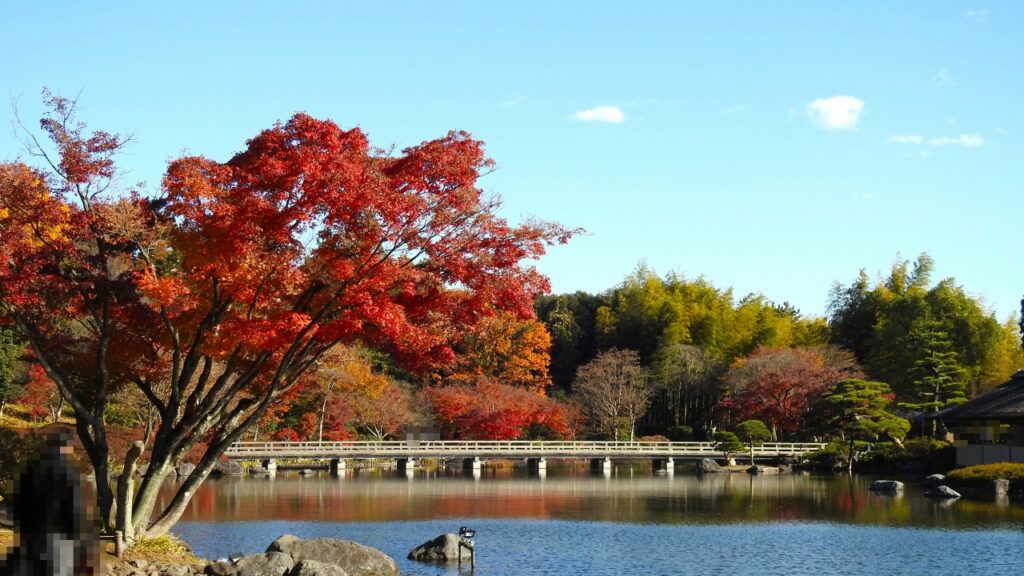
185, 469
220, 569
942, 492
355, 559
314, 568
708, 466
886, 486
268, 564
444, 548
933, 481
227, 468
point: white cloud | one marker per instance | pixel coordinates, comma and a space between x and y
980, 14
965, 140
604, 113
907, 139
943, 79
513, 102
734, 110
835, 113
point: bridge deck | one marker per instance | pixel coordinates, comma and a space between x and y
499, 449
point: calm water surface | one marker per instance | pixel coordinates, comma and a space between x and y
631, 523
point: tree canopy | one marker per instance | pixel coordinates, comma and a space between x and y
218, 294
882, 323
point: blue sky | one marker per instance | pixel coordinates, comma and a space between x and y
774, 147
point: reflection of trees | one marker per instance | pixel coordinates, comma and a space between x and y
712, 499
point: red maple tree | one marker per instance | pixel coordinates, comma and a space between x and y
228, 286
492, 411
779, 385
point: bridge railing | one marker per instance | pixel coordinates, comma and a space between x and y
504, 447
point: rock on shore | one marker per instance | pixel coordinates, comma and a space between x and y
286, 556
355, 559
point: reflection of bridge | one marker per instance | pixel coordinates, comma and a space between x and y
473, 452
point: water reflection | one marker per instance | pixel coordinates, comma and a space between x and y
629, 494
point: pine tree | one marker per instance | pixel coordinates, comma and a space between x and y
939, 380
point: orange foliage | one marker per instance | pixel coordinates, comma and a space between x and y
504, 348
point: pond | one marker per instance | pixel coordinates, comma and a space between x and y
633, 522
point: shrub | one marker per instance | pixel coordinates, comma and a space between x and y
981, 472
831, 457
15, 451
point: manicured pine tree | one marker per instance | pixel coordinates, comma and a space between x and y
856, 409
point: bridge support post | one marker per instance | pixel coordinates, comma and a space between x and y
406, 465
539, 465
472, 465
668, 465
602, 465
270, 466
337, 467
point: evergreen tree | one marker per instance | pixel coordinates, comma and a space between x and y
939, 380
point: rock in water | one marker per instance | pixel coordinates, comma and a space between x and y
942, 492
269, 564
708, 466
227, 468
444, 548
355, 559
933, 481
755, 470
314, 568
886, 486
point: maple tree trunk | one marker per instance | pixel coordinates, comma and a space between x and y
94, 441
3, 404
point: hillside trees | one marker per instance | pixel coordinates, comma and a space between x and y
228, 286
571, 320
688, 390
879, 325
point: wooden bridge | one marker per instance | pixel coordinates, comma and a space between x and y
472, 452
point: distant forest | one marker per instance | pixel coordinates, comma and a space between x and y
900, 329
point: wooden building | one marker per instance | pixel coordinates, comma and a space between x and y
989, 428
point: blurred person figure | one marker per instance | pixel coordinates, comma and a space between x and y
54, 534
